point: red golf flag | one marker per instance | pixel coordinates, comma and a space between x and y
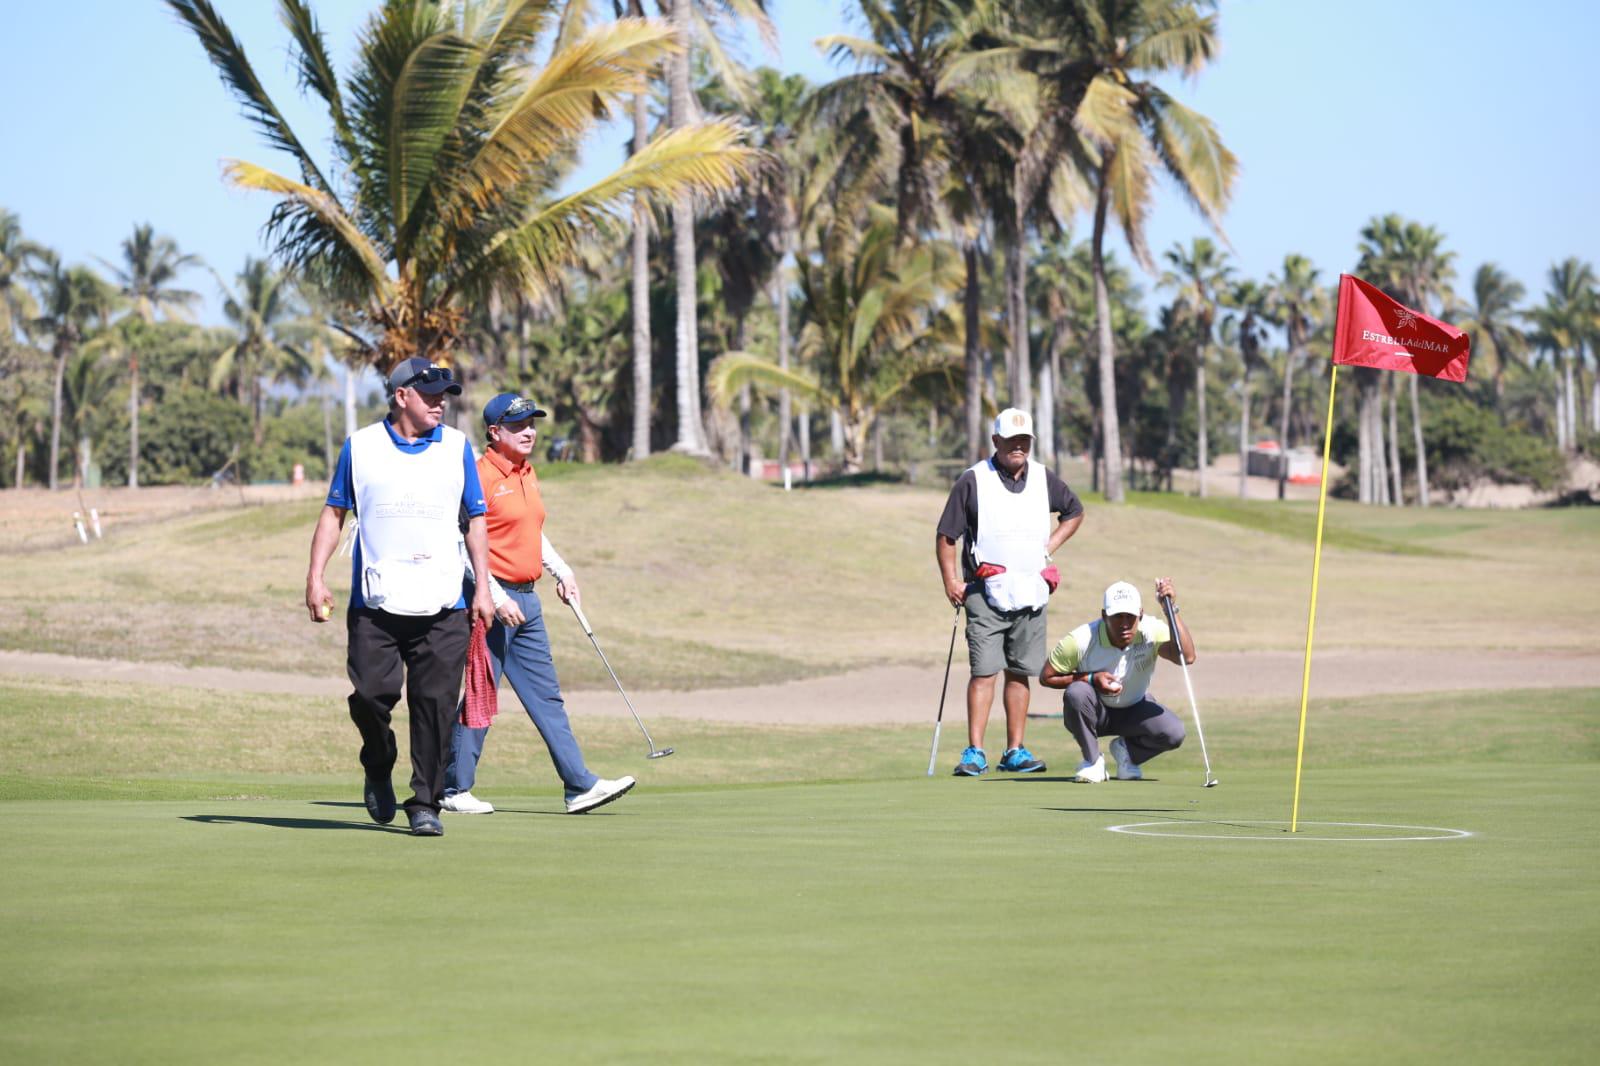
1375, 331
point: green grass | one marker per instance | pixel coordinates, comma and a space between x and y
192, 879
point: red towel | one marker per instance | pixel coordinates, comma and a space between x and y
481, 703
1052, 576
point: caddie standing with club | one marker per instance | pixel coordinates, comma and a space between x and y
1105, 667
407, 478
1000, 508
519, 645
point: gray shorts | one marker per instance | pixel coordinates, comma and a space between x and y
1013, 641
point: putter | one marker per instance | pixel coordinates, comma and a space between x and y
655, 753
938, 723
1194, 708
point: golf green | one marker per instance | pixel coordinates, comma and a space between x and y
910, 920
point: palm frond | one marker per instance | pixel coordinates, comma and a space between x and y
731, 371
310, 57
1192, 151
561, 102
324, 207
227, 55
1128, 172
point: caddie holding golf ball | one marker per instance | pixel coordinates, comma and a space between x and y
1105, 667
519, 645
1000, 508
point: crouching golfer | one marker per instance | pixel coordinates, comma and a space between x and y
408, 479
1001, 508
519, 646
1105, 667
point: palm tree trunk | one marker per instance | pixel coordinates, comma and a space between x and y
1562, 435
1019, 369
1363, 442
22, 461
691, 435
1202, 458
1244, 437
133, 420
785, 404
1571, 399
1057, 443
62, 350
973, 356
1044, 420
1283, 421
349, 403
80, 472
877, 445
640, 261
1422, 451
1396, 471
803, 427
1112, 447
327, 432
836, 434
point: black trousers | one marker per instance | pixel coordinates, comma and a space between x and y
432, 650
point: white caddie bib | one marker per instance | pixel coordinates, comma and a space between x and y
408, 505
1013, 529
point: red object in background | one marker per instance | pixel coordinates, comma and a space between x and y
1376, 331
482, 702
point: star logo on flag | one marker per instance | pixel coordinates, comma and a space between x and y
1405, 319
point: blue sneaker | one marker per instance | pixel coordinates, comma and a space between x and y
1020, 761
972, 763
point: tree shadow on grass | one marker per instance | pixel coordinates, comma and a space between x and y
1118, 810
292, 823
1032, 779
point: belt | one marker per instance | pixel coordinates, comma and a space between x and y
515, 586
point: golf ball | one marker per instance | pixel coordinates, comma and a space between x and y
326, 610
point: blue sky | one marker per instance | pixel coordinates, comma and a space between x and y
1482, 119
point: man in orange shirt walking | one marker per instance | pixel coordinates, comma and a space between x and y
518, 643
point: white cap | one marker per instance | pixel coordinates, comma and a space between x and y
1013, 422
1122, 598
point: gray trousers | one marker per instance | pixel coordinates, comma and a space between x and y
1146, 727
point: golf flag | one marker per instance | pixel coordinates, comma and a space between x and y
1375, 331
1385, 334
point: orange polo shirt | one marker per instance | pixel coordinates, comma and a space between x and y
515, 518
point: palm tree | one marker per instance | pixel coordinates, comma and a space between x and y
17, 311
88, 384
1490, 320
70, 298
1567, 320
1093, 57
876, 327
150, 266
1199, 276
449, 143
1408, 261
1295, 300
924, 114
681, 114
1253, 301
259, 307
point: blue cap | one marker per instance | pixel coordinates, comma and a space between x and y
418, 373
509, 407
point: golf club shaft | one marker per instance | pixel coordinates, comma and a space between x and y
938, 723
1194, 707
589, 632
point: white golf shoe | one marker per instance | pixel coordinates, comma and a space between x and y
1127, 769
602, 793
1091, 773
466, 803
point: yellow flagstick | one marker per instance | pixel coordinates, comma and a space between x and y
1311, 622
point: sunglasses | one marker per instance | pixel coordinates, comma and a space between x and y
519, 410
427, 377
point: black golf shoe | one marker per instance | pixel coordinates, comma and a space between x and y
425, 823
379, 797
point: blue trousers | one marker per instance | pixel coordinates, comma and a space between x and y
522, 655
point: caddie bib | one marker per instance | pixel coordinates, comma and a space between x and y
1013, 529
408, 506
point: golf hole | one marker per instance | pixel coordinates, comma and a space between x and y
1364, 832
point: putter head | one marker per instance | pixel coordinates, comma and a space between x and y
1212, 783
662, 754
